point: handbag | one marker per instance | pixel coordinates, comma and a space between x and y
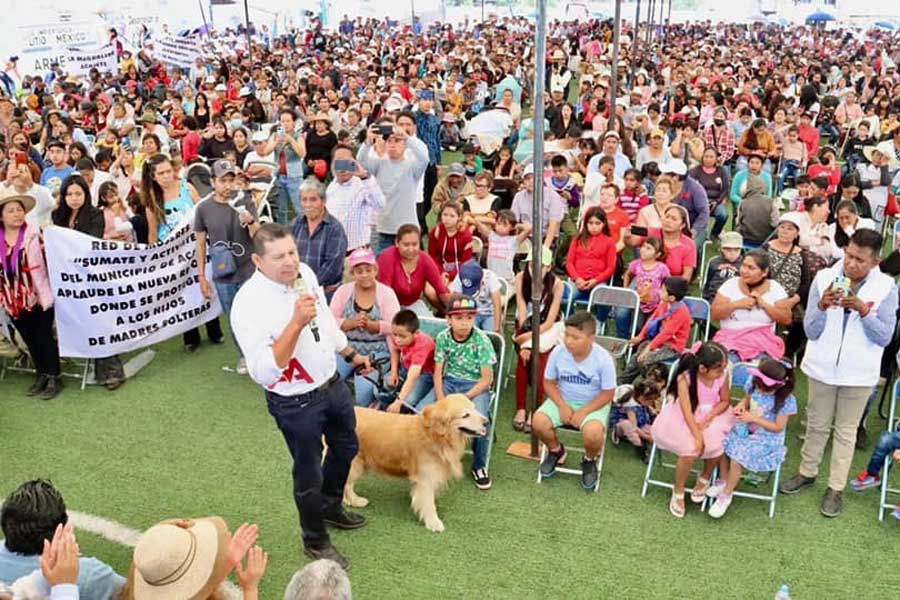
222, 260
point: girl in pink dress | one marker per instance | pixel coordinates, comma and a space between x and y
696, 420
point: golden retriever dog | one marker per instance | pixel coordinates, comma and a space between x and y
427, 449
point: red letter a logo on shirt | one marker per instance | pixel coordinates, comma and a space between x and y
293, 372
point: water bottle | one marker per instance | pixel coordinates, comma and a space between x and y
784, 593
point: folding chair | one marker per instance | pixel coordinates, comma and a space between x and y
772, 496
700, 313
615, 297
705, 254
435, 326
883, 503
570, 431
477, 248
656, 454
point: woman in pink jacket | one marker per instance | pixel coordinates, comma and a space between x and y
25, 292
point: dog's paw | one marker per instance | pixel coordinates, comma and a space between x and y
435, 525
357, 502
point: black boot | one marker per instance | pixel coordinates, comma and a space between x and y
38, 386
54, 387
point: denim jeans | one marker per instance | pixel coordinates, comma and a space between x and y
887, 444
422, 394
485, 322
384, 241
720, 217
832, 131
364, 389
226, 292
790, 168
454, 385
289, 195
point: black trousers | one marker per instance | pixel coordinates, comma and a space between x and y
303, 420
36, 329
422, 210
191, 337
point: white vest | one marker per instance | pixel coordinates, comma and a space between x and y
845, 356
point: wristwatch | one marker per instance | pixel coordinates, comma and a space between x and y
349, 358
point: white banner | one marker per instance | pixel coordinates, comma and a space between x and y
178, 51
104, 59
41, 38
112, 297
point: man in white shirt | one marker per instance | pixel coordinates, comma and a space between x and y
18, 178
353, 198
291, 340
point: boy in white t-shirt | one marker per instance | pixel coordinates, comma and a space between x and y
483, 287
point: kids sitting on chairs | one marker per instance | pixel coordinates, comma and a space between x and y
412, 361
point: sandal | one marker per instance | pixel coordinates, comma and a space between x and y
519, 425
676, 506
698, 494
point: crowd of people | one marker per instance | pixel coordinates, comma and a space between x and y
324, 156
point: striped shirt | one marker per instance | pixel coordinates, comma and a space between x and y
355, 205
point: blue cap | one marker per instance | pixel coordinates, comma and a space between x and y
470, 276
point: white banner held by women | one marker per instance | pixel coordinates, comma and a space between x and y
112, 297
104, 59
179, 51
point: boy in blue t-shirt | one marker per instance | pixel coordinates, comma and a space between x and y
580, 380
464, 364
55, 174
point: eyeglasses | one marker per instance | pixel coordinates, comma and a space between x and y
482, 185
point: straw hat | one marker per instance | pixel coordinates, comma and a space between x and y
171, 561
7, 196
321, 116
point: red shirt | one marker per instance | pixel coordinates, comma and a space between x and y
809, 135
409, 288
832, 173
675, 329
597, 261
190, 147
681, 256
448, 251
617, 219
420, 352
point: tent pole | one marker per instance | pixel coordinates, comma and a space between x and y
537, 210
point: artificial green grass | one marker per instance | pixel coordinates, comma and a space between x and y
186, 439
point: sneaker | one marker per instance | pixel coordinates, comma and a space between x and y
590, 474
715, 490
865, 482
551, 460
482, 479
38, 386
832, 504
343, 519
896, 513
796, 483
717, 510
242, 366
614, 437
328, 552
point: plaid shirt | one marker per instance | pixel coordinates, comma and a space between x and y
724, 144
428, 129
324, 251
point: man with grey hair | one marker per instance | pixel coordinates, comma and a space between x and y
321, 240
319, 580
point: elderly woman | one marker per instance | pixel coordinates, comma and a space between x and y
790, 268
651, 216
482, 206
25, 292
407, 269
748, 307
76, 211
453, 188
364, 309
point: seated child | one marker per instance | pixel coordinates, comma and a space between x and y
632, 415
503, 243
804, 191
888, 444
564, 183
722, 268
471, 161
450, 136
645, 275
666, 332
412, 359
756, 442
464, 361
694, 424
483, 287
579, 381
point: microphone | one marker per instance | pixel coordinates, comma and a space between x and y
301, 288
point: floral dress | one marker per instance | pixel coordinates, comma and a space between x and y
756, 448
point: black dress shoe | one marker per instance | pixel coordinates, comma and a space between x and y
191, 347
345, 520
53, 388
38, 386
329, 552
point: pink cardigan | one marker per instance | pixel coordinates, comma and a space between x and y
385, 298
37, 265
